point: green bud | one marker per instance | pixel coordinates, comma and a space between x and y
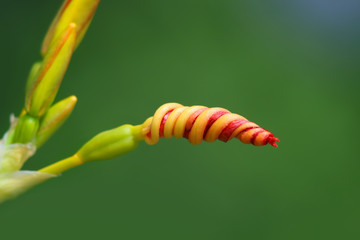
79, 12
110, 144
54, 118
25, 130
34, 70
43, 87
10, 135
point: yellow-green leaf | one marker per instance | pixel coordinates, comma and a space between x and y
13, 156
14, 183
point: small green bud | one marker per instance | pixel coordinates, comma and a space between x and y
79, 12
110, 144
26, 129
10, 135
54, 119
44, 86
34, 70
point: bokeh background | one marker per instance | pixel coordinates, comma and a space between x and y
290, 66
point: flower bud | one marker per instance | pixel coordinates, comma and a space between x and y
54, 118
43, 88
79, 12
110, 144
25, 130
34, 70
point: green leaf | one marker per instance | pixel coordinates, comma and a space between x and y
13, 156
14, 183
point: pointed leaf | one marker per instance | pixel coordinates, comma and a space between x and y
13, 156
14, 183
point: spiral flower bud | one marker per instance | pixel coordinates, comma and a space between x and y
199, 123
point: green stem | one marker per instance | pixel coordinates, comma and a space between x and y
62, 165
106, 145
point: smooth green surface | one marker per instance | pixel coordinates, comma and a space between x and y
290, 66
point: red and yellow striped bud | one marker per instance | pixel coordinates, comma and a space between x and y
199, 123
42, 88
79, 12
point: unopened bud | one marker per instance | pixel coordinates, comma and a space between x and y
54, 118
79, 12
26, 129
43, 88
110, 144
32, 75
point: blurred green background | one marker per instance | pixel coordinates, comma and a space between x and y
290, 66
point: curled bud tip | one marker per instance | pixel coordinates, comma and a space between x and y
272, 141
